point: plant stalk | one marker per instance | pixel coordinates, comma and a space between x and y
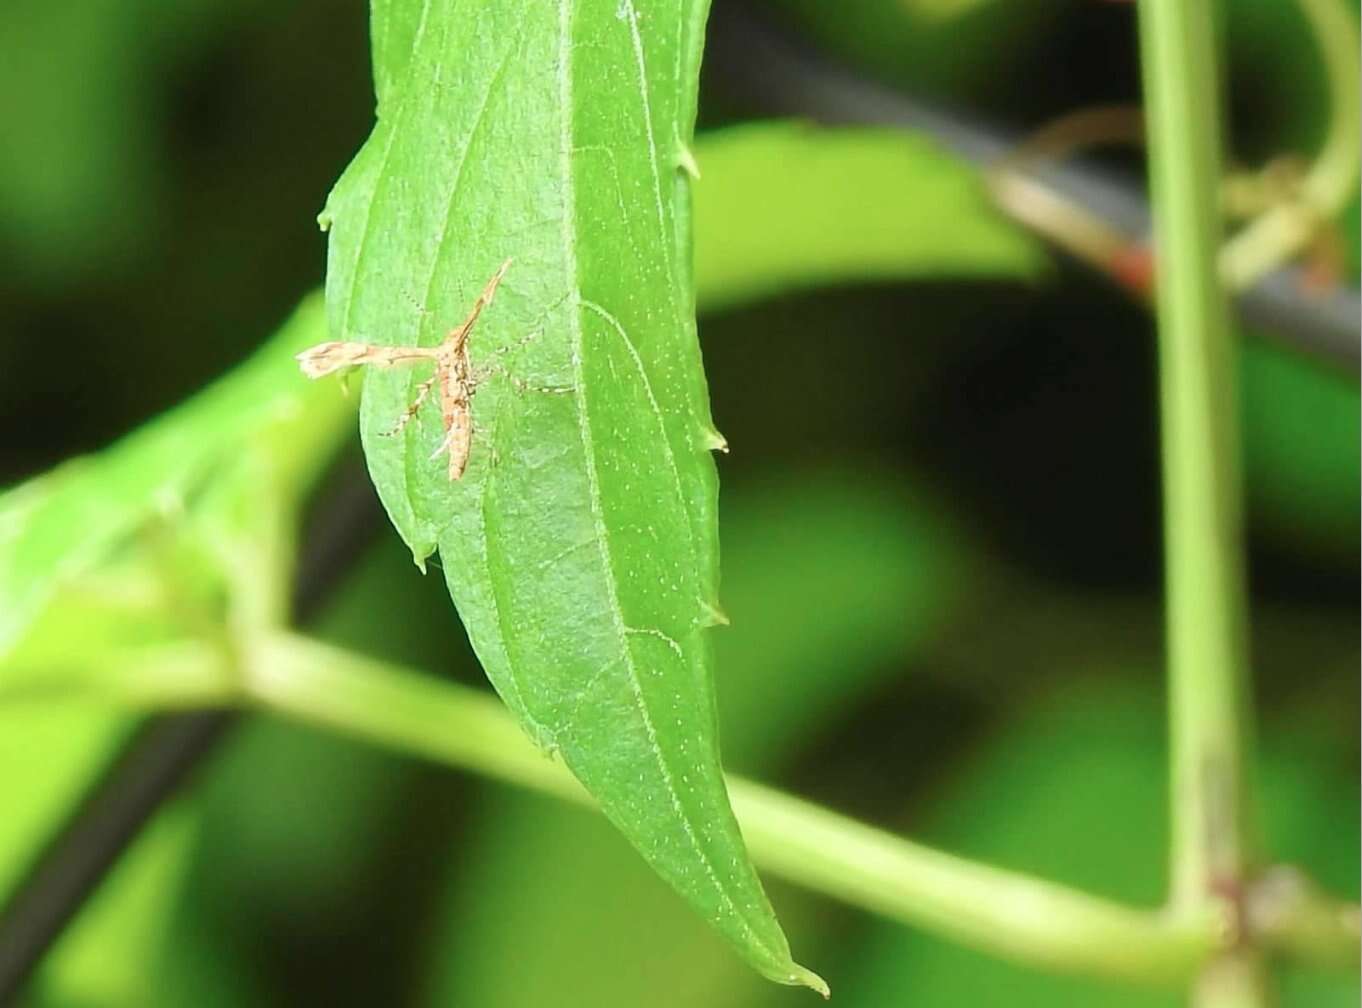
1213, 848
1025, 919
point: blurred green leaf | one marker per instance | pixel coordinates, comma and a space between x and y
257, 853
783, 206
581, 545
945, 8
1301, 450
925, 45
79, 96
1269, 42
881, 572
76, 176
287, 859
292, 824
58, 528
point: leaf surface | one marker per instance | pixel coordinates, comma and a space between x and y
580, 546
865, 560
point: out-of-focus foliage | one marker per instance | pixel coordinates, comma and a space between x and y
921, 42
1301, 430
48, 756
108, 563
1075, 791
61, 531
783, 206
134, 908
85, 85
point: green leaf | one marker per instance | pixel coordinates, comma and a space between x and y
783, 205
1301, 435
880, 575
581, 544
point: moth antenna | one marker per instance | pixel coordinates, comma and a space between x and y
484, 299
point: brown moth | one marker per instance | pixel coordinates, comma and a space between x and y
452, 374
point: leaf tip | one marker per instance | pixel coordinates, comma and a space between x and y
419, 542
714, 441
801, 977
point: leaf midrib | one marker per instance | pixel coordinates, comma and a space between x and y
572, 276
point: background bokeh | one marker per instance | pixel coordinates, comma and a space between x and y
940, 525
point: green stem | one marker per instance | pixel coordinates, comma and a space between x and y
1002, 912
1236, 979
1297, 918
1212, 836
1014, 916
1284, 230
1332, 179
1006, 913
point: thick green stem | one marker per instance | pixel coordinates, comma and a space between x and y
1236, 979
1002, 912
1213, 849
1014, 916
1202, 524
1006, 913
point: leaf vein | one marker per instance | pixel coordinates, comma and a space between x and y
636, 40
593, 479
672, 467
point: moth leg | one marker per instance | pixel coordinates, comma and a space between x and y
417, 305
456, 432
518, 344
422, 393
519, 384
